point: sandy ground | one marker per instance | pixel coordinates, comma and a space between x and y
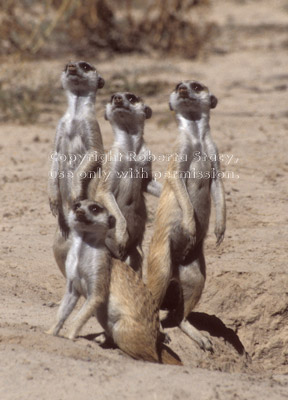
244, 306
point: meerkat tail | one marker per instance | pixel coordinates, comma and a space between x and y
167, 356
149, 353
139, 344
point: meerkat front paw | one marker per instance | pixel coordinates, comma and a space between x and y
189, 230
122, 238
54, 206
219, 233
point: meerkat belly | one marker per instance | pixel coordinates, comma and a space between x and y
86, 276
198, 186
72, 153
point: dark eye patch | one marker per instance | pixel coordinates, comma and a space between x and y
132, 98
197, 87
95, 208
86, 67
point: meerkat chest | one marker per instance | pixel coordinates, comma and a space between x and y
82, 265
75, 142
127, 173
195, 168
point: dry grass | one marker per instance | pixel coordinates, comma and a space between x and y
35, 30
29, 27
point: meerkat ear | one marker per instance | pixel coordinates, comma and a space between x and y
148, 112
101, 82
213, 101
170, 106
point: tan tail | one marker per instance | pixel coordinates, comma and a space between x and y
167, 356
148, 352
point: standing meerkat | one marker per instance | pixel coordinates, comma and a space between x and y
126, 176
114, 293
182, 218
78, 148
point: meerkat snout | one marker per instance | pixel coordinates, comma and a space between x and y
71, 69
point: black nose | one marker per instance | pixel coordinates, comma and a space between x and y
118, 101
79, 211
72, 69
183, 91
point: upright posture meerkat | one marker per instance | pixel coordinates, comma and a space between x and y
182, 218
114, 292
126, 176
77, 149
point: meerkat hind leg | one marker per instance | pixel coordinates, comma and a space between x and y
192, 278
87, 310
67, 305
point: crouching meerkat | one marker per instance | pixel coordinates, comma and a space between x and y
126, 176
182, 218
77, 149
114, 293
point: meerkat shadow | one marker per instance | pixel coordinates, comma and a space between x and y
211, 324
106, 344
173, 303
215, 327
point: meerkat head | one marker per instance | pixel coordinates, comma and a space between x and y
90, 216
81, 78
192, 97
127, 110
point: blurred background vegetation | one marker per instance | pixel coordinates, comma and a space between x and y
39, 30
32, 27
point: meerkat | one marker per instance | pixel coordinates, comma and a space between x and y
78, 148
176, 254
114, 292
126, 176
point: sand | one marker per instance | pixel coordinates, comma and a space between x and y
243, 309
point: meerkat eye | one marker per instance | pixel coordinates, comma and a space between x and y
95, 209
132, 98
197, 87
86, 67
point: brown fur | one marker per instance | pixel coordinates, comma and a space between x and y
124, 195
78, 138
182, 218
114, 292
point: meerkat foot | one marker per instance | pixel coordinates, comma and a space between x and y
101, 338
203, 342
165, 338
52, 331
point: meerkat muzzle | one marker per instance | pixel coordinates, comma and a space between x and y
72, 69
183, 92
118, 101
